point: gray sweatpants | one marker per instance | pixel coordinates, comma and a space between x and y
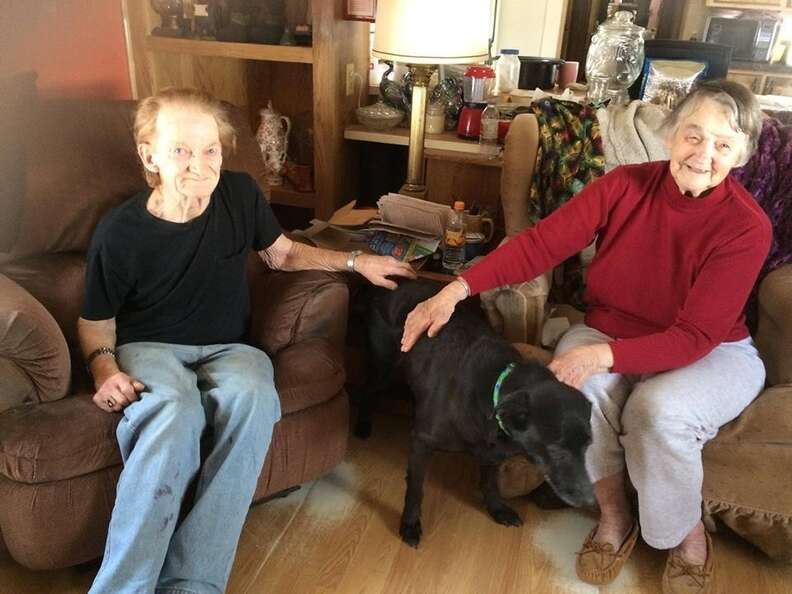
657, 424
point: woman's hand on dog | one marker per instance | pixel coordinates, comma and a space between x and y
377, 269
431, 315
576, 365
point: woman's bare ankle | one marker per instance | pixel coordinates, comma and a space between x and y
694, 547
616, 515
614, 528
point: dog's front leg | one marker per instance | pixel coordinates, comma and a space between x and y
410, 528
496, 507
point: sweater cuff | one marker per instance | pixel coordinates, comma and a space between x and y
619, 356
472, 280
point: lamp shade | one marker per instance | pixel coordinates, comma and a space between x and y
432, 31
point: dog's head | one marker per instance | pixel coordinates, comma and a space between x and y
552, 423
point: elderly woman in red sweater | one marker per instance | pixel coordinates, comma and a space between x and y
664, 354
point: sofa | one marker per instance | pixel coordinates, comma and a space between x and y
59, 461
747, 479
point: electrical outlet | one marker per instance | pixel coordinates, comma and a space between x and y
350, 79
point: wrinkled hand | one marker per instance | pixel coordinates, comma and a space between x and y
117, 392
431, 315
576, 365
377, 268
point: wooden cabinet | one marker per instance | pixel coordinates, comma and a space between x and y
752, 81
778, 85
455, 168
763, 83
776, 4
308, 84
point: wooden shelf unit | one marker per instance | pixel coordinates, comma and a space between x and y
224, 49
285, 194
455, 168
307, 84
446, 146
763, 83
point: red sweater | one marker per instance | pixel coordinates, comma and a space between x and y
671, 273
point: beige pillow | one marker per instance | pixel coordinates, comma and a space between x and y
34, 358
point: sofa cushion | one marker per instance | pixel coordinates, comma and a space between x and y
17, 102
290, 307
34, 358
35, 447
774, 334
57, 281
57, 440
308, 373
81, 160
747, 482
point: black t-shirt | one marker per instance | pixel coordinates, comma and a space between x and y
181, 283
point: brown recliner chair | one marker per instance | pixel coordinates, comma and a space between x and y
747, 481
59, 460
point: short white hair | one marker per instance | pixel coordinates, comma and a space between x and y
738, 102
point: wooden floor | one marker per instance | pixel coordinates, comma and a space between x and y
340, 535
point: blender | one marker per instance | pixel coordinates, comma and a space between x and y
477, 85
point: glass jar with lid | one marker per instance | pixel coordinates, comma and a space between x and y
435, 118
507, 71
616, 54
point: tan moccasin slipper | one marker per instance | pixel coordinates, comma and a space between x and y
681, 577
598, 563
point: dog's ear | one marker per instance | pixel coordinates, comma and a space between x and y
515, 411
517, 421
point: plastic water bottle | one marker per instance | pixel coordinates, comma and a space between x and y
507, 71
488, 135
454, 238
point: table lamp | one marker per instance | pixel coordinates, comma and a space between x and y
422, 34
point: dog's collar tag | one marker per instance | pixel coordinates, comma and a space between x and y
496, 393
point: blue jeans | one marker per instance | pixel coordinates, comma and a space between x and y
228, 388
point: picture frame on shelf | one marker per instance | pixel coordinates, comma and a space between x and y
360, 10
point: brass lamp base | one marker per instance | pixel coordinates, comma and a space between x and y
416, 191
414, 184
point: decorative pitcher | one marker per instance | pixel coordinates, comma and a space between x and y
273, 140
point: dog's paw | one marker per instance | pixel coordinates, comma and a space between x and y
411, 533
506, 516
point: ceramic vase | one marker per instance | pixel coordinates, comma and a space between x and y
273, 140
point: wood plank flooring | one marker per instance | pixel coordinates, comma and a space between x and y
339, 535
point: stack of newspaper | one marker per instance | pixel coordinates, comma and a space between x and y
404, 227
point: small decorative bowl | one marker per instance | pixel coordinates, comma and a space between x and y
379, 116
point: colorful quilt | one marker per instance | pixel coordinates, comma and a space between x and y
570, 154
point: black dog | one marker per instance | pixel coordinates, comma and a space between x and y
452, 378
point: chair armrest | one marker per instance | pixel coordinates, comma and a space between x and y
519, 161
34, 357
774, 331
517, 312
287, 307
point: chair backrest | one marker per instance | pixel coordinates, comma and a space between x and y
717, 58
519, 161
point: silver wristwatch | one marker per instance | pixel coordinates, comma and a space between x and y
351, 259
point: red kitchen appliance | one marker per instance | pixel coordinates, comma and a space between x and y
477, 86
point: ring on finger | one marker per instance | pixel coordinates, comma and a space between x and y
109, 403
